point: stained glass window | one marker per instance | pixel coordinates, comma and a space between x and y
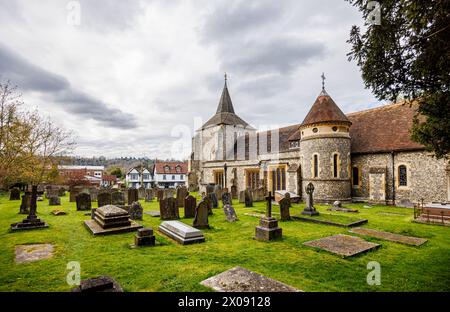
402, 176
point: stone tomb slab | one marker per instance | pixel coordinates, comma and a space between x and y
181, 233
96, 229
397, 238
239, 279
33, 252
343, 245
153, 213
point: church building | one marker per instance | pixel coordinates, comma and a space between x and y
361, 156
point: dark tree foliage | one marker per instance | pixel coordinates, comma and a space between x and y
407, 57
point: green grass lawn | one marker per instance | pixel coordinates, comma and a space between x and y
173, 267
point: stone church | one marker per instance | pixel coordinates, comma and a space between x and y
361, 156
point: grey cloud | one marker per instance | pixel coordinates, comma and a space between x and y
56, 88
266, 86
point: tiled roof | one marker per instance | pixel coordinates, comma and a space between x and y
324, 109
383, 129
160, 167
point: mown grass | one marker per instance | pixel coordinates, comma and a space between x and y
173, 267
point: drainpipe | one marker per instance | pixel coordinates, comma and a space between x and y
393, 177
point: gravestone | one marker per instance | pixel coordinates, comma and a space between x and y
136, 211
15, 194
25, 204
242, 197
61, 192
144, 237
208, 201
201, 216
98, 284
234, 192
226, 199
104, 199
33, 252
31, 221
288, 197
73, 192
248, 198
343, 245
189, 206
168, 209
309, 209
51, 192
181, 233
160, 195
181, 195
284, 209
268, 226
54, 200
141, 193
117, 198
83, 201
168, 193
133, 195
214, 200
230, 213
210, 188
148, 195
110, 220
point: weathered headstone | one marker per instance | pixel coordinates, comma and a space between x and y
25, 204
31, 221
141, 193
285, 203
98, 284
226, 199
61, 192
117, 198
149, 195
242, 197
181, 195
230, 213
160, 194
104, 199
133, 195
168, 209
144, 237
201, 216
54, 200
288, 197
234, 192
309, 209
189, 206
168, 193
343, 245
83, 201
136, 211
214, 200
15, 194
208, 201
268, 226
248, 198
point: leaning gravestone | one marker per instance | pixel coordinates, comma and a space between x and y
168, 209
226, 199
248, 198
136, 211
15, 194
118, 199
104, 199
230, 213
201, 216
285, 203
133, 195
83, 201
181, 195
54, 200
189, 206
25, 204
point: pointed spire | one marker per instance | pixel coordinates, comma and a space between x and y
323, 92
225, 104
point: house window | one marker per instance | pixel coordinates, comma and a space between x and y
252, 179
402, 176
178, 169
335, 165
355, 176
218, 178
316, 165
166, 169
164, 176
181, 177
279, 179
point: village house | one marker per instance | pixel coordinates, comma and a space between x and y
170, 174
361, 156
140, 176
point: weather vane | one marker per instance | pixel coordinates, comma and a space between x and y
323, 81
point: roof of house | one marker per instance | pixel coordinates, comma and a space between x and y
324, 109
383, 129
109, 178
225, 112
67, 167
172, 165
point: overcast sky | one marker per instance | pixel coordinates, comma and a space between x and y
135, 78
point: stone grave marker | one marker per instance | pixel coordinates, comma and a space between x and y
141, 193
181, 195
226, 199
33, 252
104, 198
181, 233
248, 198
285, 203
230, 213
54, 200
343, 245
268, 226
14, 194
136, 211
214, 200
98, 284
310, 210
133, 195
144, 237
83, 201
208, 201
189, 206
242, 197
160, 194
118, 198
61, 192
168, 209
408, 240
201, 216
110, 220
31, 221
25, 204
234, 192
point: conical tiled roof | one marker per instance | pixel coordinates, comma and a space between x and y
225, 112
324, 109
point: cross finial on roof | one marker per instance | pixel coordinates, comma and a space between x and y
225, 76
323, 81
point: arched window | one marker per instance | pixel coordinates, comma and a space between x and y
316, 165
335, 165
355, 176
402, 176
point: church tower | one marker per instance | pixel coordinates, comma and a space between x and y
325, 150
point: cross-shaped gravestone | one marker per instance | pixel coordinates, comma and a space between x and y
309, 209
269, 205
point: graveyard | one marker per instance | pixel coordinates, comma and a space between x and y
293, 259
